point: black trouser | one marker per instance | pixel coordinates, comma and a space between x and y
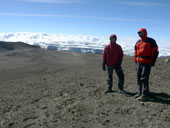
143, 72
120, 75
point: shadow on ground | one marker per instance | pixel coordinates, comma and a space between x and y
159, 98
153, 97
129, 94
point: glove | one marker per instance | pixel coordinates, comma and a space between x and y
152, 64
104, 65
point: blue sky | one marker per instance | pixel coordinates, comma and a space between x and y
87, 17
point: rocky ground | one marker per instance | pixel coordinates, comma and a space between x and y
50, 89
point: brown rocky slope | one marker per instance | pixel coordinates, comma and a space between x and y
50, 89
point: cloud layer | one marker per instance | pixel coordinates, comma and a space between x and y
77, 43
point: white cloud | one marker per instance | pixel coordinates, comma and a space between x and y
79, 43
80, 17
144, 3
55, 1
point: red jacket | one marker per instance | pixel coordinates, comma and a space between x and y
146, 49
112, 54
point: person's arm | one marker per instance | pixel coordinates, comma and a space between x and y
155, 56
135, 48
104, 60
155, 52
120, 57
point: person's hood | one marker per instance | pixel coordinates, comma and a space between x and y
113, 35
112, 44
145, 33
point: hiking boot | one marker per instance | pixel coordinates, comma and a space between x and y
137, 95
142, 98
108, 91
121, 91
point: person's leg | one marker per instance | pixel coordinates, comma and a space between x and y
110, 77
138, 70
146, 68
120, 75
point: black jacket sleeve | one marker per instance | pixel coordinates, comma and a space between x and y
156, 53
104, 62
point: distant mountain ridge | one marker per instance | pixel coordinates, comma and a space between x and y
15, 45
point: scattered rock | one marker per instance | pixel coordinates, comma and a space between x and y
2, 123
11, 124
106, 122
44, 107
29, 118
29, 125
167, 60
81, 84
54, 120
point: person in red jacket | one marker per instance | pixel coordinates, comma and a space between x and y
112, 58
146, 53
